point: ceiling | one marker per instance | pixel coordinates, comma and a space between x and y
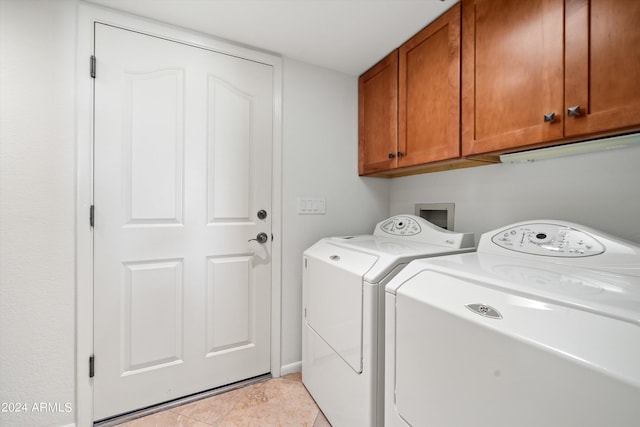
344, 35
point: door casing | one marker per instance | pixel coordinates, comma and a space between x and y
87, 16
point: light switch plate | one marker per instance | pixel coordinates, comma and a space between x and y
311, 206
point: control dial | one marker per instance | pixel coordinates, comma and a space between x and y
539, 238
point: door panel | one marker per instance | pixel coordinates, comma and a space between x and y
512, 73
429, 99
154, 127
229, 298
378, 116
153, 314
601, 56
182, 155
229, 191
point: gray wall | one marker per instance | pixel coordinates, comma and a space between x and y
600, 190
320, 159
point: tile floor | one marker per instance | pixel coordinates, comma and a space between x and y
277, 402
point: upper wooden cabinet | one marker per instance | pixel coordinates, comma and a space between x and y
512, 65
378, 116
429, 98
409, 103
524, 65
602, 60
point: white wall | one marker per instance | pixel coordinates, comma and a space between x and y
600, 190
37, 208
37, 193
38, 190
320, 157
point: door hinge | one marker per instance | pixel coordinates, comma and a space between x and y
91, 215
93, 67
92, 366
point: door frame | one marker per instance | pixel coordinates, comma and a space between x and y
88, 15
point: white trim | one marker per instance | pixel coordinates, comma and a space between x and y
87, 16
276, 223
291, 368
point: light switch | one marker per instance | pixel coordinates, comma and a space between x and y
311, 206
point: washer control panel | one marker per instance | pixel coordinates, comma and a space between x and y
548, 239
401, 226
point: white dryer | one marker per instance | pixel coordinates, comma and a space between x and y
539, 327
343, 312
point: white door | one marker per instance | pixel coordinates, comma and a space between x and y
183, 141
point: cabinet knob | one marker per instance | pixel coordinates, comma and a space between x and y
573, 111
400, 154
391, 155
549, 117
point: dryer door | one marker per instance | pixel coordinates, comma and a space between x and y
333, 298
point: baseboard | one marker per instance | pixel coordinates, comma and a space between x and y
291, 368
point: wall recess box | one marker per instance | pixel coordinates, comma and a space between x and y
440, 214
311, 206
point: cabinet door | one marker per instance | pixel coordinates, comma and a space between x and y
602, 65
378, 116
429, 100
512, 73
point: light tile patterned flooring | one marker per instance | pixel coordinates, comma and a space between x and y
277, 402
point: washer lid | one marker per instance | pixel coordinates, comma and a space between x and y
460, 343
562, 242
610, 294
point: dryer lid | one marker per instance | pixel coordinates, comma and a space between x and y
389, 253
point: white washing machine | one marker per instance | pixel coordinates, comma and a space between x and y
343, 312
539, 327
